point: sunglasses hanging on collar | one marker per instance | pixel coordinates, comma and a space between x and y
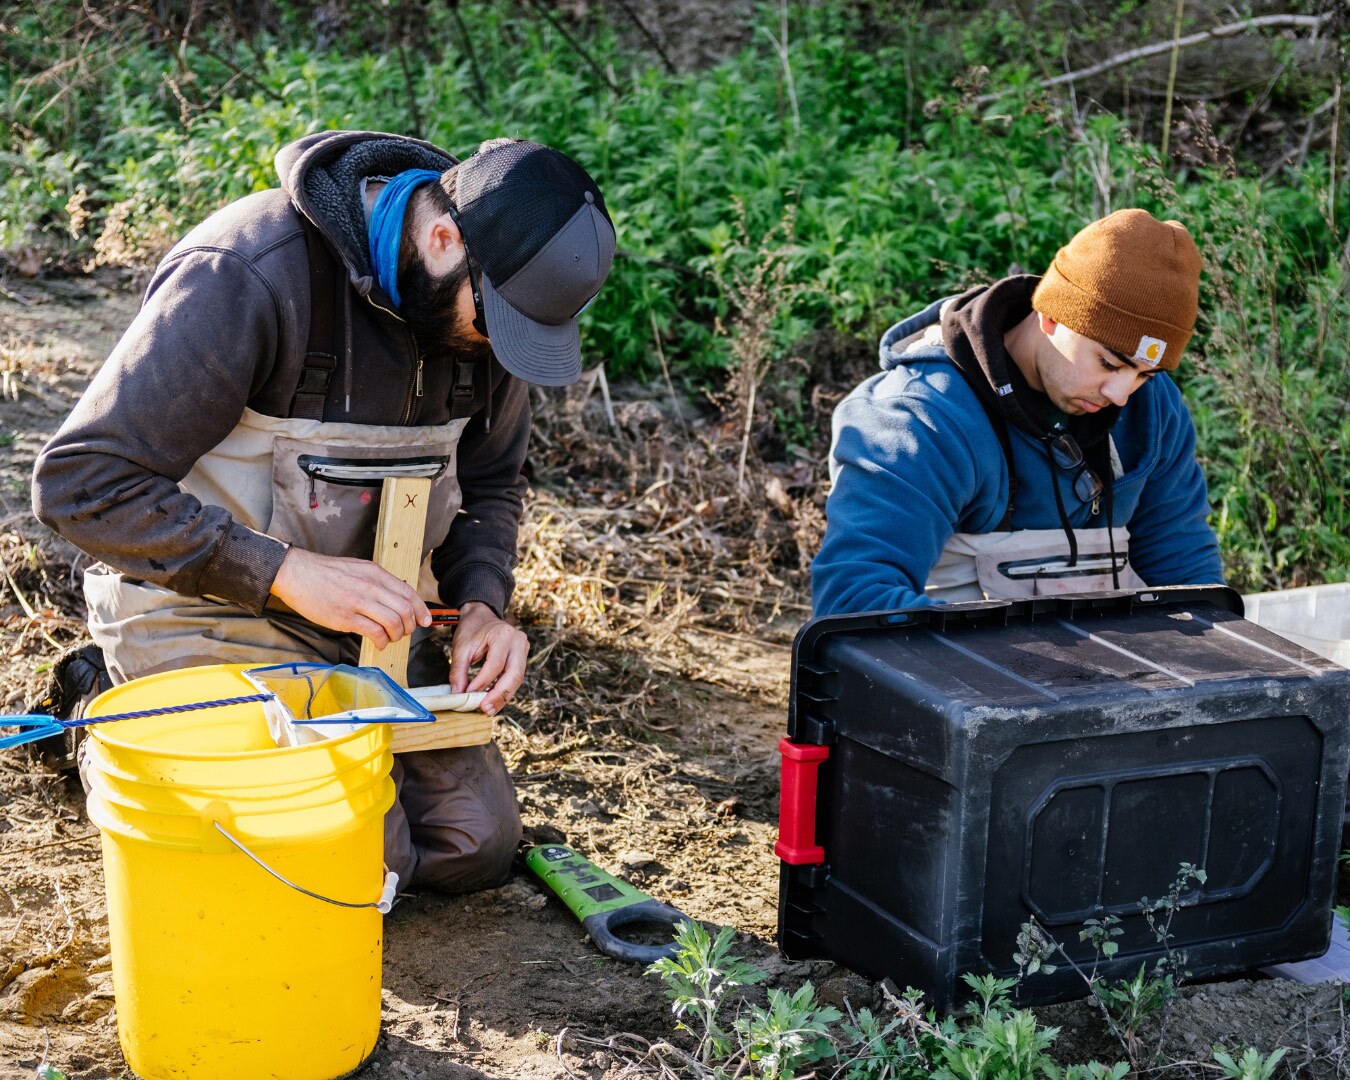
1068, 456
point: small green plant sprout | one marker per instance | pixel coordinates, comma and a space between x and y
793, 1036
1160, 913
1126, 1005
1131, 1002
992, 993
698, 979
790, 1034
1095, 1070
873, 1048
1000, 1042
1251, 1065
1099, 933
1034, 949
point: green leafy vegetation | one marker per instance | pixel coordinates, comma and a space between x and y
1136, 1009
1133, 1006
909, 153
1250, 1066
792, 1034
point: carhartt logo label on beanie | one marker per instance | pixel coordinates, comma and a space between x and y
1150, 351
1129, 282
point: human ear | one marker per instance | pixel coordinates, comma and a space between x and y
443, 243
1048, 324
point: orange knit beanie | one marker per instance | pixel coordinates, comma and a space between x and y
1129, 282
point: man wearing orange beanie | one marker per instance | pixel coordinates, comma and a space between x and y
1024, 438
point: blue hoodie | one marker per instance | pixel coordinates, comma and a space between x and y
915, 459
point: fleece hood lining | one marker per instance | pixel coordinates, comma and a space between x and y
973, 326
323, 174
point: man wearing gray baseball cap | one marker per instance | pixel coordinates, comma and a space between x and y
379, 313
535, 225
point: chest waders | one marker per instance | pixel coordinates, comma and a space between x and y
308, 481
1008, 563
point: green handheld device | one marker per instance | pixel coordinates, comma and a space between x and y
602, 902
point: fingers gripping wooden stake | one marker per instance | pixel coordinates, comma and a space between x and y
398, 548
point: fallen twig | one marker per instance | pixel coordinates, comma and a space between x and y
51, 844
28, 608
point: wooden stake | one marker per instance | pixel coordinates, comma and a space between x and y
398, 548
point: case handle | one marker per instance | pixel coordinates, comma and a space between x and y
797, 804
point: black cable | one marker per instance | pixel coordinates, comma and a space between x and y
1108, 484
1059, 505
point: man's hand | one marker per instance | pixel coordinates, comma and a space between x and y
352, 595
501, 648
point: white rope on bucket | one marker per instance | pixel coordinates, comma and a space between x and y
383, 905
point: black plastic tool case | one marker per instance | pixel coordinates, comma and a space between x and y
978, 765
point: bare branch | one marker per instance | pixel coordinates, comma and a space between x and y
542, 11
481, 100
647, 33
1261, 22
151, 19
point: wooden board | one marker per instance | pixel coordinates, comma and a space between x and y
449, 729
398, 548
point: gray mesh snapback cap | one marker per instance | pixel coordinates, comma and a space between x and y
536, 225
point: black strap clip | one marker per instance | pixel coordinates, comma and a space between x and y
316, 374
463, 388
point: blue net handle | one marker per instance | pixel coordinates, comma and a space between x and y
40, 726
165, 710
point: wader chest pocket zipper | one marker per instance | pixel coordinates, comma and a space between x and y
1058, 568
365, 472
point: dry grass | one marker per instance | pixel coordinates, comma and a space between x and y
651, 529
41, 609
640, 559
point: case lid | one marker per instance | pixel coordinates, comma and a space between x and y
1034, 653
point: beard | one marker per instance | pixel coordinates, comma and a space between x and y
431, 309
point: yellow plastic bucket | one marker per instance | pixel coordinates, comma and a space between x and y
219, 969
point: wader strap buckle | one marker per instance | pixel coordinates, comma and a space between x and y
463, 389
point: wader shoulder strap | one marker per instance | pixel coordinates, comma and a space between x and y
1000, 425
320, 362
326, 285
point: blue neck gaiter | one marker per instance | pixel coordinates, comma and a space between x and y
385, 231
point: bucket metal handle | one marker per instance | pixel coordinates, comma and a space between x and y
383, 905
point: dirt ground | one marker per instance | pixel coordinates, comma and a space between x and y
659, 763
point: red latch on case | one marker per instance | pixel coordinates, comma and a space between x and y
797, 804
